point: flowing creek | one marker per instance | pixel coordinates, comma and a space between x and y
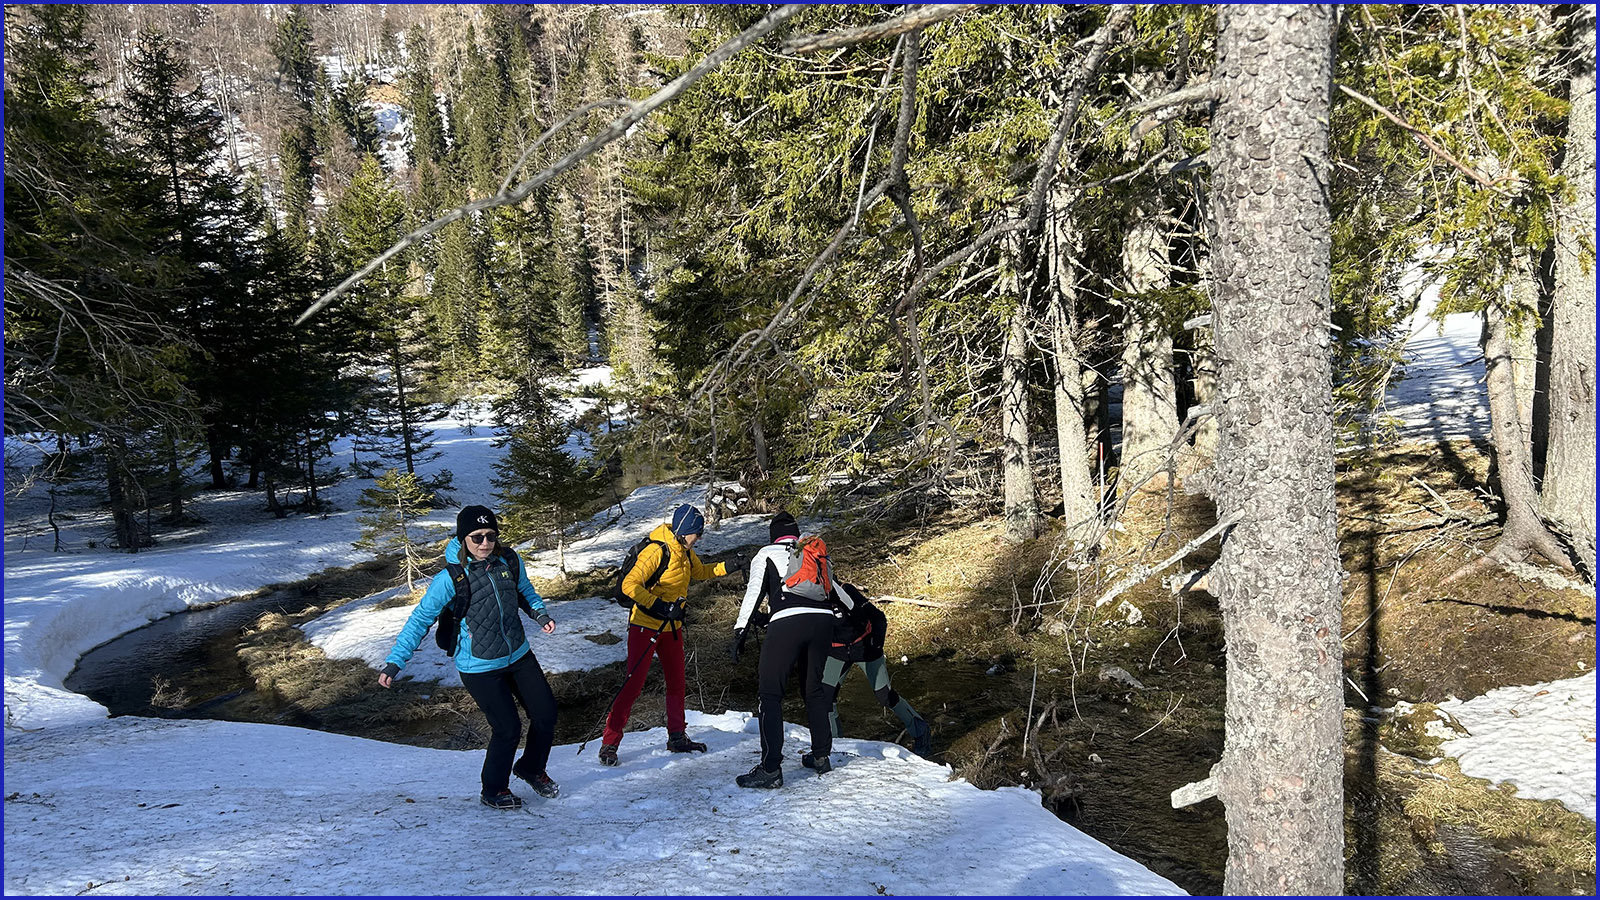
192, 652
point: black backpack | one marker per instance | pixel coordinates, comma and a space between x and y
858, 632
632, 559
447, 629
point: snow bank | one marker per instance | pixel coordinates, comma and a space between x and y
604, 539
144, 806
1540, 738
1440, 394
60, 605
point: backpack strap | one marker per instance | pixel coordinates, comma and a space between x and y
667, 611
515, 562
661, 567
463, 588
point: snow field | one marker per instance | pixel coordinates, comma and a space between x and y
205, 807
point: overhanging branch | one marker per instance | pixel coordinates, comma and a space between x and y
921, 17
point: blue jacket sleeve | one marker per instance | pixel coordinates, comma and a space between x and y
529, 594
440, 591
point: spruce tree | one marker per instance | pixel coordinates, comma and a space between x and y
370, 218
392, 526
90, 348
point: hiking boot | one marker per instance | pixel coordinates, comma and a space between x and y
760, 778
608, 754
541, 784
678, 742
822, 765
545, 787
921, 737
502, 800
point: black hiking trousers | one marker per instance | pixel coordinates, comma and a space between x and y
497, 694
807, 636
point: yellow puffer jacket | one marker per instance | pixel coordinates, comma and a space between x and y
683, 566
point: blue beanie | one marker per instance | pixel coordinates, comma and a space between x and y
686, 520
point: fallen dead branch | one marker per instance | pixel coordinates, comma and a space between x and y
1140, 573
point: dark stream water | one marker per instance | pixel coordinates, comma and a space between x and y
192, 651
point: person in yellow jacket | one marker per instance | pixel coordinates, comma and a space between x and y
655, 625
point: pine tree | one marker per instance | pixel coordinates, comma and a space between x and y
396, 504
90, 348
298, 72
427, 128
543, 489
369, 218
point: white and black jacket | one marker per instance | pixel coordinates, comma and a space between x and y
767, 571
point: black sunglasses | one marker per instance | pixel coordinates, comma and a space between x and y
489, 538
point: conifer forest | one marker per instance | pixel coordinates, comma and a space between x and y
1094, 309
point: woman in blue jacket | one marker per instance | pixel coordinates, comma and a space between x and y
492, 653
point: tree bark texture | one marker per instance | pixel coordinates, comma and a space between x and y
1078, 497
1569, 482
1524, 531
1523, 296
1278, 578
1021, 495
1149, 383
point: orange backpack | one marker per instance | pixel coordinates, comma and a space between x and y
813, 570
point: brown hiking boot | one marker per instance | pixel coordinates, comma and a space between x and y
608, 754
678, 742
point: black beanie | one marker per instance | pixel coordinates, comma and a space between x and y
783, 525
473, 518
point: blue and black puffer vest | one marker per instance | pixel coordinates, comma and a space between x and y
492, 626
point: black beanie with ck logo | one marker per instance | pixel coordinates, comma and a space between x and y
474, 518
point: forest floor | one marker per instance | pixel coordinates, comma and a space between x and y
1107, 710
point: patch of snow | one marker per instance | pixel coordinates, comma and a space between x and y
1540, 738
1441, 395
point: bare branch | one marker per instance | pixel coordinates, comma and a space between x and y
1033, 218
1194, 94
570, 118
618, 127
918, 18
1423, 137
754, 338
1140, 573
899, 187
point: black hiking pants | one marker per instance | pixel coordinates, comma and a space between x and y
807, 637
497, 694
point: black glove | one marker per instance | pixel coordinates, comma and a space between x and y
736, 564
739, 635
390, 669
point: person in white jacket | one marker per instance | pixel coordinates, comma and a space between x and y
795, 578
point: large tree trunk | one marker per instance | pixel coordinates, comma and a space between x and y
1569, 473
1078, 498
174, 478
121, 495
1524, 531
218, 451
1278, 578
1149, 382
